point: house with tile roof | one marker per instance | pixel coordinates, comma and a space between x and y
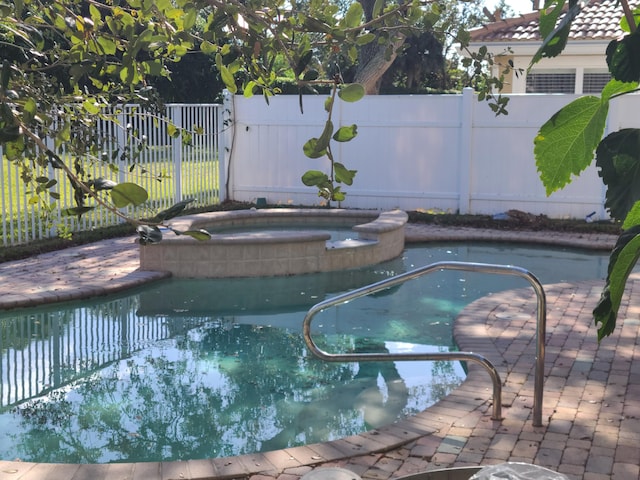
581, 68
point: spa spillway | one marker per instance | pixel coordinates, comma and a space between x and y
257, 249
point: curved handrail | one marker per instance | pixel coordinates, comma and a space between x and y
468, 356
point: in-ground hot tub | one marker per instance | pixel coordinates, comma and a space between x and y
261, 251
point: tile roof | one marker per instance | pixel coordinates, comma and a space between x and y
598, 20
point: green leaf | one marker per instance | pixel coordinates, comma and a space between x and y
172, 211
314, 25
173, 131
310, 75
30, 110
365, 39
317, 147
315, 178
190, 17
338, 195
565, 144
107, 45
310, 149
621, 262
75, 211
618, 159
328, 104
633, 217
616, 87
343, 175
351, 92
128, 193
555, 33
226, 75
208, 48
378, 6
248, 89
354, 15
625, 25
622, 58
344, 134
201, 235
91, 107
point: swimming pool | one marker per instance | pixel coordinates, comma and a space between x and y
210, 368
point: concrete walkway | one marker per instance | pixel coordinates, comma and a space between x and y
591, 408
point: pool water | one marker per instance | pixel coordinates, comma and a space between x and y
188, 369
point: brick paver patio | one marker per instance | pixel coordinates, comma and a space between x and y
591, 408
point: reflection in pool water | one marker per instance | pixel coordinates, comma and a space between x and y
207, 368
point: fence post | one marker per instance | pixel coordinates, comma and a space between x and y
225, 134
175, 115
465, 158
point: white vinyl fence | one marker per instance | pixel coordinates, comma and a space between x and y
444, 152
140, 147
433, 152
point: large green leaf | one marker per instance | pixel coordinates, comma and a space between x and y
621, 262
623, 58
618, 159
125, 194
565, 144
633, 217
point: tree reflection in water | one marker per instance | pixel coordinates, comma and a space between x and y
222, 389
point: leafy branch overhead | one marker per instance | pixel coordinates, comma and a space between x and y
568, 142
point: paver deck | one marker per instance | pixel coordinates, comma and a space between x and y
591, 408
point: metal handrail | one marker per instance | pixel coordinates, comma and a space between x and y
464, 356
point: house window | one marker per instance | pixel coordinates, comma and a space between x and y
556, 82
594, 82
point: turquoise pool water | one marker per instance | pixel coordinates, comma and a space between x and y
208, 368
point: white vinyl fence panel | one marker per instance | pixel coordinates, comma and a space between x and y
431, 152
442, 152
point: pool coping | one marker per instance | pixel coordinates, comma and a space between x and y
470, 398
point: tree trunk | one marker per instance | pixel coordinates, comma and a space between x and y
371, 57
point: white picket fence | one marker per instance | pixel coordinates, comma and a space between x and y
440, 152
432, 152
167, 169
